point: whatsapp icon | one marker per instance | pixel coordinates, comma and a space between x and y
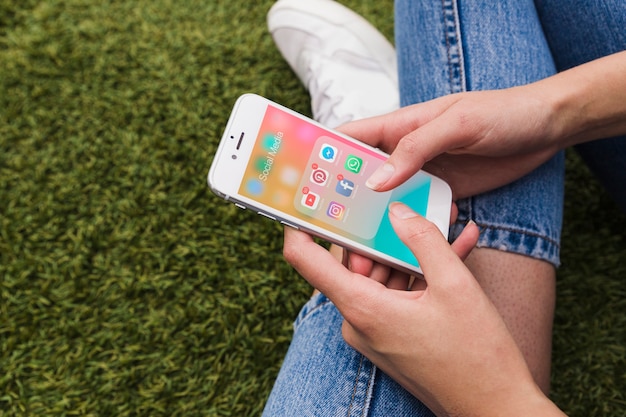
353, 164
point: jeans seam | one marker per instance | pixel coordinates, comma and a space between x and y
369, 388
470, 215
520, 231
302, 318
365, 409
454, 47
356, 383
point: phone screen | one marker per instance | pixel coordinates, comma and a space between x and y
310, 173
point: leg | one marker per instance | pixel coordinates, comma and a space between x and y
447, 47
322, 376
579, 31
530, 321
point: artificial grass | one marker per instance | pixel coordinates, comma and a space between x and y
126, 287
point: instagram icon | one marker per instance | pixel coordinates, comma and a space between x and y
335, 210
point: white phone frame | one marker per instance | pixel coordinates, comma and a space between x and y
231, 160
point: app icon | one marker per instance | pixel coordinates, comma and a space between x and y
353, 163
268, 141
328, 153
310, 200
335, 210
319, 176
254, 187
345, 187
289, 176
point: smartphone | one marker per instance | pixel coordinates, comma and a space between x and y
290, 168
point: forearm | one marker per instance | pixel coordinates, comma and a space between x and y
588, 102
512, 396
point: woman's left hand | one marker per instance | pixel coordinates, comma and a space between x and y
445, 342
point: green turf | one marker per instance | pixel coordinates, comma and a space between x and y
126, 287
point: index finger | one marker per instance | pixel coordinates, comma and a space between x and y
385, 131
443, 134
321, 269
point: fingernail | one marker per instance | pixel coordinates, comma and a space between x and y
470, 223
401, 211
380, 176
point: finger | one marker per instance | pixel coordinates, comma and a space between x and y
322, 270
443, 134
369, 268
380, 273
434, 254
454, 212
384, 274
339, 253
382, 132
360, 264
466, 241
398, 280
385, 131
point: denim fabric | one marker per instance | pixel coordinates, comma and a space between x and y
323, 376
578, 33
448, 46
482, 48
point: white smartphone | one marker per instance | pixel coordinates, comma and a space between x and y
290, 168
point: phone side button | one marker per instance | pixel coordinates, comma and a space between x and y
241, 206
266, 215
289, 224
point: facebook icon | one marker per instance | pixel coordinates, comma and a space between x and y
345, 187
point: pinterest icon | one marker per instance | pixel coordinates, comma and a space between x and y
319, 176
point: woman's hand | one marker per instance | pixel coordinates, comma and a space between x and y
476, 141
480, 140
445, 343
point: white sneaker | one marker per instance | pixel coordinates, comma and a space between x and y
349, 68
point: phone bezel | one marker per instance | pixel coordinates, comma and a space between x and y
226, 174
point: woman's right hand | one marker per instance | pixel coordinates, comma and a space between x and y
480, 140
476, 141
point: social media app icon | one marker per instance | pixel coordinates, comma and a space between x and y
319, 176
353, 163
344, 187
310, 200
254, 187
335, 210
289, 176
328, 153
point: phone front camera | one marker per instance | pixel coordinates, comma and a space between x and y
234, 156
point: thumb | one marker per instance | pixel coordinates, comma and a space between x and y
433, 252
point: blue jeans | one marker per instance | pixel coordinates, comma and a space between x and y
446, 47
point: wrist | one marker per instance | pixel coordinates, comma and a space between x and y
533, 404
562, 105
585, 103
522, 401
509, 391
